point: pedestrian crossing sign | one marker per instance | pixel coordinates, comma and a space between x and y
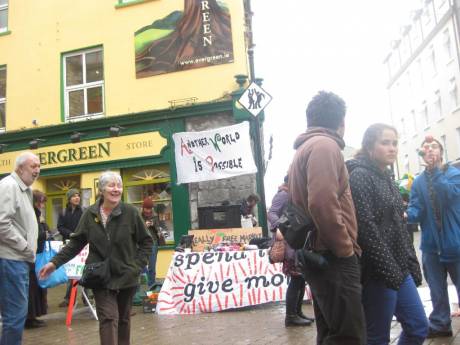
254, 99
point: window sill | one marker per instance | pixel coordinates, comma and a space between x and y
426, 128
131, 3
450, 61
5, 33
84, 118
440, 119
455, 110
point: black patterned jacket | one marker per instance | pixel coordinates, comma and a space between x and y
388, 254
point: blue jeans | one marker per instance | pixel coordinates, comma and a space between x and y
14, 287
381, 303
152, 272
435, 273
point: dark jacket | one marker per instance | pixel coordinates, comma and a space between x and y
388, 254
131, 243
444, 241
318, 183
42, 232
68, 221
154, 228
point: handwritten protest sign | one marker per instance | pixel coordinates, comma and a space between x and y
208, 237
215, 281
214, 154
73, 268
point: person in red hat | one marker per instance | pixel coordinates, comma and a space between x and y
152, 224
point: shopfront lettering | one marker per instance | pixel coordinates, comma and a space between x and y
101, 150
5, 162
143, 144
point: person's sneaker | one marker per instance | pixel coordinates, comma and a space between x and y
433, 333
295, 320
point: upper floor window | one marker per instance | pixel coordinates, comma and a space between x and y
83, 84
3, 15
413, 121
2, 96
447, 43
432, 60
444, 145
437, 105
424, 115
453, 94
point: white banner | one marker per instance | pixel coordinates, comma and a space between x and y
215, 281
73, 268
214, 154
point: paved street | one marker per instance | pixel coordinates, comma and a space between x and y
260, 325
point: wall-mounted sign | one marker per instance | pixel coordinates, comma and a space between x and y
199, 35
215, 154
255, 99
91, 151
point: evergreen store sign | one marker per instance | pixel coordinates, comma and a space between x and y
91, 151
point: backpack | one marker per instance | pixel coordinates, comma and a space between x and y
295, 224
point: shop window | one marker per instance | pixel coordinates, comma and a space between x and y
2, 97
153, 182
3, 16
83, 84
56, 189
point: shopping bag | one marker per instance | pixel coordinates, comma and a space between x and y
57, 277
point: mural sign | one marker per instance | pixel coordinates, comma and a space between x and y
215, 281
215, 154
200, 35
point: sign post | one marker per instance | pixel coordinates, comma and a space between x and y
254, 99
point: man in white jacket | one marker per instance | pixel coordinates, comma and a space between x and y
18, 244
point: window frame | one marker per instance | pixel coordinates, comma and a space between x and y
3, 8
84, 86
3, 100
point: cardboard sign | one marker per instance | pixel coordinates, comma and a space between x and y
208, 237
215, 281
215, 154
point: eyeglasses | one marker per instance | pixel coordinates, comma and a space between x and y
432, 146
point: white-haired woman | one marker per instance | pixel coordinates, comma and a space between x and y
110, 221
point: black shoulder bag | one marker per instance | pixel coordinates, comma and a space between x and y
97, 274
295, 224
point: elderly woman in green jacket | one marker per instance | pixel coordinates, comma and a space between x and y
110, 222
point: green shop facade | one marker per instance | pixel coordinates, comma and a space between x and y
138, 146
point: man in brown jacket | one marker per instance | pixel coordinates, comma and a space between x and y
318, 183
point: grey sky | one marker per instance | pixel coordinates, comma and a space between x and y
335, 45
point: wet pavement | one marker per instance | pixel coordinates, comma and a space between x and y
256, 325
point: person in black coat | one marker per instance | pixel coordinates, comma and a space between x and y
67, 223
390, 270
38, 303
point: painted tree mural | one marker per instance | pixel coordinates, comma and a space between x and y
199, 36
